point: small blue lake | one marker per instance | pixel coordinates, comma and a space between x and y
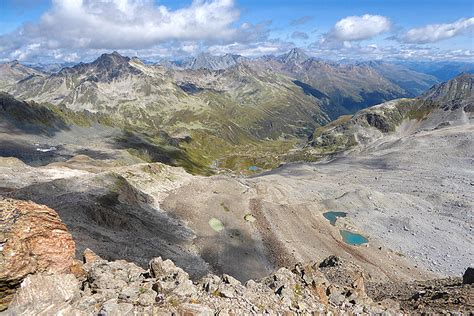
353, 239
332, 216
253, 168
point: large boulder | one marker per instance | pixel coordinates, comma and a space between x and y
33, 239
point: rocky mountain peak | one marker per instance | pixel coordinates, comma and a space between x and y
110, 60
295, 55
13, 63
106, 68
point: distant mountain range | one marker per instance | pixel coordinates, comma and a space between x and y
13, 72
217, 102
442, 70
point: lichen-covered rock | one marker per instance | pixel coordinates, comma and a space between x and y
113, 308
33, 239
119, 279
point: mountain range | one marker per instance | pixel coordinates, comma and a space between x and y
225, 111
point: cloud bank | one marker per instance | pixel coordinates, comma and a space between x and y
74, 25
112, 24
436, 32
75, 30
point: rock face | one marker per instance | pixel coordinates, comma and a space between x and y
33, 240
443, 105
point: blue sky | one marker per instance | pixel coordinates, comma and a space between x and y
73, 30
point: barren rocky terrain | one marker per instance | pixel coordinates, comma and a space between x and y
38, 252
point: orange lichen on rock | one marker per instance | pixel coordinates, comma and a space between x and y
32, 239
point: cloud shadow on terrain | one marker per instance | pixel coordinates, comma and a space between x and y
235, 254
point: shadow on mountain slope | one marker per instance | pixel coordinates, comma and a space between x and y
108, 215
29, 117
151, 149
32, 155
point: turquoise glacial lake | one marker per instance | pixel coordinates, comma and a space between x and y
332, 216
353, 239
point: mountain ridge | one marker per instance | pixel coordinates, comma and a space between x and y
443, 105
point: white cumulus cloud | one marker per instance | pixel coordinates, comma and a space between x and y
436, 32
86, 25
358, 28
131, 23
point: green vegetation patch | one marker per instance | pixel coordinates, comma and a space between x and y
216, 224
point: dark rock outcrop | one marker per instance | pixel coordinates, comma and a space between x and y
330, 261
468, 276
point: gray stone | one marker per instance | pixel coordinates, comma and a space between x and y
113, 308
336, 298
227, 292
147, 298
129, 293
210, 283
230, 280
194, 310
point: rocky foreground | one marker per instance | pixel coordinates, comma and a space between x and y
39, 276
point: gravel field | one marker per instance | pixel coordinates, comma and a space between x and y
414, 194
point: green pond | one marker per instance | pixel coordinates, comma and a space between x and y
353, 239
332, 216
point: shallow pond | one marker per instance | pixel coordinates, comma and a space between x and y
353, 238
332, 216
253, 168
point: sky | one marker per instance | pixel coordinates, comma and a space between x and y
56, 31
